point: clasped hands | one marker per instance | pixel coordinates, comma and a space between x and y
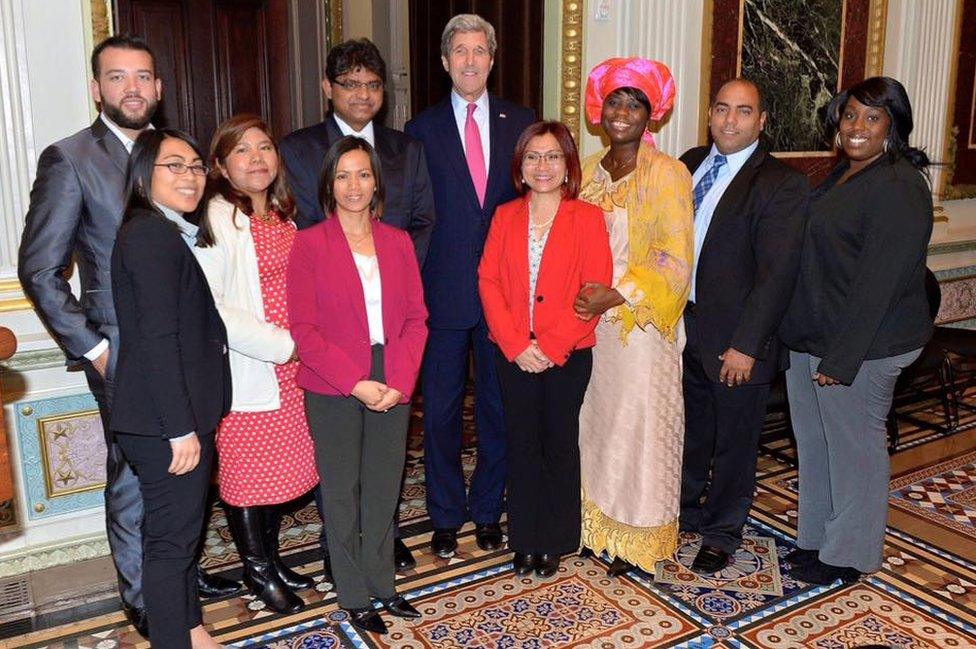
533, 359
376, 396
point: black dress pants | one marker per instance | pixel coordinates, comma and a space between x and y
722, 427
175, 508
542, 419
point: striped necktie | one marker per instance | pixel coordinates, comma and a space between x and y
707, 181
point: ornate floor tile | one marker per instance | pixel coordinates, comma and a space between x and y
579, 607
944, 493
853, 617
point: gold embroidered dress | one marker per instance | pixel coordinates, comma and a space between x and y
632, 419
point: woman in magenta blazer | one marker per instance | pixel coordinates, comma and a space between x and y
542, 249
359, 323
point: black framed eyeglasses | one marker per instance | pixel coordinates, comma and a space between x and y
353, 86
180, 168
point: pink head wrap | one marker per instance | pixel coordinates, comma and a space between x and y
653, 78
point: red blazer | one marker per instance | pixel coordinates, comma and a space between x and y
327, 310
577, 252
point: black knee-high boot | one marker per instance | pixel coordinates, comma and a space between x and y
292, 579
249, 529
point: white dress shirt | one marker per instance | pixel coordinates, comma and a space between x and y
460, 106
366, 133
369, 274
703, 217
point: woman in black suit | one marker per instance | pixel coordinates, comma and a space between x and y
173, 380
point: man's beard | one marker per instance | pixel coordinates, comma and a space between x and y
137, 123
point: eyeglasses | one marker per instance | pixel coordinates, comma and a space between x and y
533, 159
353, 86
180, 168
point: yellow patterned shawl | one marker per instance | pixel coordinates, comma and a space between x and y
657, 197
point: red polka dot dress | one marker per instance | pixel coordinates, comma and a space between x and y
267, 458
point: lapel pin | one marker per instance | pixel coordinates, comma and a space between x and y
502, 115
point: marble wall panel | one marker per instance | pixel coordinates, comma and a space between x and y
792, 49
958, 299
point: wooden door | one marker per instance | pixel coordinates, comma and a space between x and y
517, 75
216, 58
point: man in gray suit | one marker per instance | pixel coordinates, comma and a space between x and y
75, 210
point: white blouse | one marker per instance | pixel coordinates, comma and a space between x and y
369, 275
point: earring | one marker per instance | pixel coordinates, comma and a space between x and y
884, 146
565, 179
837, 143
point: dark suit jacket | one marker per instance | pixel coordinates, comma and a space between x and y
75, 210
451, 271
408, 204
173, 376
748, 261
327, 310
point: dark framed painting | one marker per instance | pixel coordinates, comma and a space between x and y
960, 154
800, 52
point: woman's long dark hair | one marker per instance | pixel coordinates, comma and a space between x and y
138, 179
888, 94
338, 149
225, 138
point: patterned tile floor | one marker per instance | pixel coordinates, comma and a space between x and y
924, 597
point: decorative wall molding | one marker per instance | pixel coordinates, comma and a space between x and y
17, 159
38, 359
101, 20
335, 22
62, 553
877, 23
571, 55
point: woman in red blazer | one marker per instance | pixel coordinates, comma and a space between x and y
541, 250
359, 322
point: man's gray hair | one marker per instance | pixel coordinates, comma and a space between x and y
468, 23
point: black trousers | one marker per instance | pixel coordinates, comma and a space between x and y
722, 427
360, 455
542, 419
175, 508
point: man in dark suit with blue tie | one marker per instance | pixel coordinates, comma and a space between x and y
750, 211
468, 138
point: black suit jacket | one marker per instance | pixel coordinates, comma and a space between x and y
75, 211
748, 262
408, 204
173, 376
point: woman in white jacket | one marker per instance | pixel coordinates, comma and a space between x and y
265, 453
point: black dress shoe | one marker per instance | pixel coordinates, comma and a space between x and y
710, 559
402, 558
524, 563
215, 586
546, 565
367, 619
400, 607
488, 536
619, 567
585, 553
137, 618
443, 543
801, 557
823, 574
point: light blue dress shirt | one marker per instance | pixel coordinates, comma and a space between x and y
703, 217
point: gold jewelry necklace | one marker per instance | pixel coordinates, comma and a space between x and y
541, 226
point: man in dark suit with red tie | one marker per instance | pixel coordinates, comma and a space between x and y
468, 139
750, 210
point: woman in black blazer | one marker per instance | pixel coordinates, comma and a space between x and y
172, 380
859, 316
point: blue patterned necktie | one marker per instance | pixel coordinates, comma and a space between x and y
707, 181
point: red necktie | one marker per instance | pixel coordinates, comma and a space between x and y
475, 155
